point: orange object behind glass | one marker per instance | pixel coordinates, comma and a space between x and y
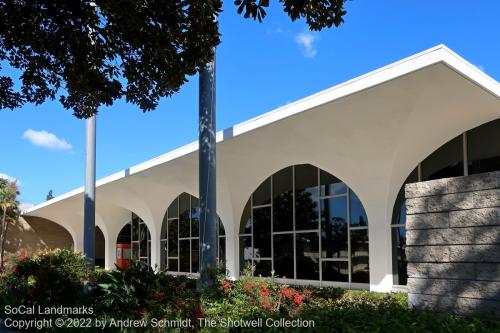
123, 255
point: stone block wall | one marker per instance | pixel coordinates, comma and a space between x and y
453, 244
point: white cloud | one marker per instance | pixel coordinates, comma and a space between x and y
25, 205
276, 31
6, 176
480, 67
306, 41
46, 139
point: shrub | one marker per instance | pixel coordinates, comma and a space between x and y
45, 278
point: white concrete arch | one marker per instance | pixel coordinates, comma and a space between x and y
62, 223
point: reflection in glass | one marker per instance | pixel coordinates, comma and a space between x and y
143, 238
173, 265
222, 250
172, 238
195, 217
307, 245
283, 255
334, 232
307, 203
173, 209
446, 161
335, 271
195, 254
135, 251
330, 185
163, 257
358, 216
245, 252
262, 195
262, 232
399, 263
246, 220
283, 200
262, 267
359, 256
184, 255
135, 228
306, 197
184, 216
484, 148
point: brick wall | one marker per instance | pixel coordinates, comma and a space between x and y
453, 244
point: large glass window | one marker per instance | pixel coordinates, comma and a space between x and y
141, 240
446, 161
484, 148
180, 236
314, 228
398, 224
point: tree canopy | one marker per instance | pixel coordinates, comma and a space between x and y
90, 54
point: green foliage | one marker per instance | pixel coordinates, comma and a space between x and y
53, 278
46, 278
90, 56
319, 14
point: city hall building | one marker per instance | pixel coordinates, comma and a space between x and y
313, 191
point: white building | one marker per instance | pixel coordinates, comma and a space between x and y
314, 186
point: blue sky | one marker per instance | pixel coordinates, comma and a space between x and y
259, 67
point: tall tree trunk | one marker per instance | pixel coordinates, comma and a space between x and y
89, 195
207, 177
2, 236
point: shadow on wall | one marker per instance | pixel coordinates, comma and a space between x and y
453, 249
32, 233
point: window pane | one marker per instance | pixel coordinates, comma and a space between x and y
358, 214
446, 161
330, 185
184, 216
222, 232
484, 148
173, 265
163, 255
195, 217
143, 238
222, 250
306, 197
245, 252
195, 254
262, 195
135, 251
283, 200
172, 238
124, 237
399, 212
334, 227
359, 256
246, 221
283, 256
164, 233
263, 268
135, 229
173, 209
337, 271
399, 262
307, 256
262, 232
184, 255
